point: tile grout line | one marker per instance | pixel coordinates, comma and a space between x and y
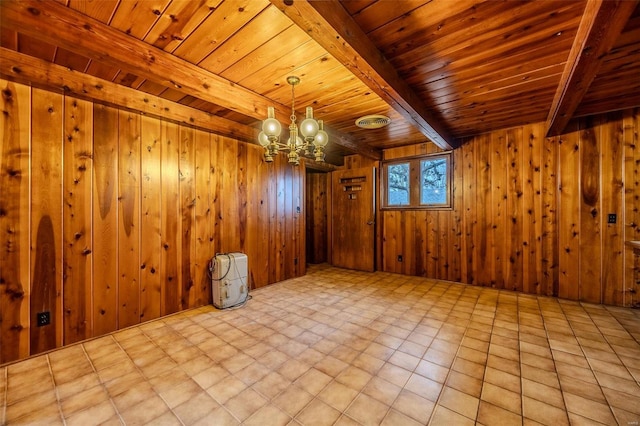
609, 403
102, 383
55, 389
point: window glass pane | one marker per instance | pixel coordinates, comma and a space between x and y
398, 184
433, 178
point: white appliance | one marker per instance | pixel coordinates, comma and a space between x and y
229, 279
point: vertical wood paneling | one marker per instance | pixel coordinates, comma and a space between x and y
499, 202
457, 239
514, 228
532, 207
119, 214
467, 253
216, 158
549, 244
240, 206
171, 223
254, 202
128, 219
443, 218
204, 235
151, 219
229, 227
430, 230
187, 216
612, 159
631, 167
105, 219
420, 243
569, 217
261, 273
14, 221
298, 249
46, 218
316, 217
533, 212
78, 247
408, 242
590, 214
389, 240
288, 226
484, 213
277, 227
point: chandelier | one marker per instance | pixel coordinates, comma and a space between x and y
311, 144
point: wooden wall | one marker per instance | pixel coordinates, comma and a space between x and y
317, 190
109, 217
531, 214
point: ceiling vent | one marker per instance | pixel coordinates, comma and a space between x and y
373, 121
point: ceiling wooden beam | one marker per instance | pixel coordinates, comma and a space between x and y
51, 21
40, 73
601, 24
331, 26
321, 167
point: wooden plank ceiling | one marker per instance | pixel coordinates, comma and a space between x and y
440, 69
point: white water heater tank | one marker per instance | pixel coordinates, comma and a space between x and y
229, 279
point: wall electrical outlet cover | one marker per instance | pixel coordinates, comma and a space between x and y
43, 318
612, 218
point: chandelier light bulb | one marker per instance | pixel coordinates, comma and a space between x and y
309, 126
322, 138
263, 139
271, 126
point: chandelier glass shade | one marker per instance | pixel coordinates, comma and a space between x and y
308, 140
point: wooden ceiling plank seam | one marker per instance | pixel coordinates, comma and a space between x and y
503, 92
267, 24
490, 85
380, 13
356, 6
602, 22
177, 16
500, 70
265, 56
265, 80
193, 25
486, 47
102, 10
214, 30
325, 90
333, 28
463, 71
137, 17
40, 73
491, 21
397, 35
321, 70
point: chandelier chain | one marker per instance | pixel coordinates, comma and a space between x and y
293, 104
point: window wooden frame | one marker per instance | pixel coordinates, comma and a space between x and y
414, 183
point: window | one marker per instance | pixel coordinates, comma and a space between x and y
417, 183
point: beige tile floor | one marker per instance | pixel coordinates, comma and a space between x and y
347, 348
